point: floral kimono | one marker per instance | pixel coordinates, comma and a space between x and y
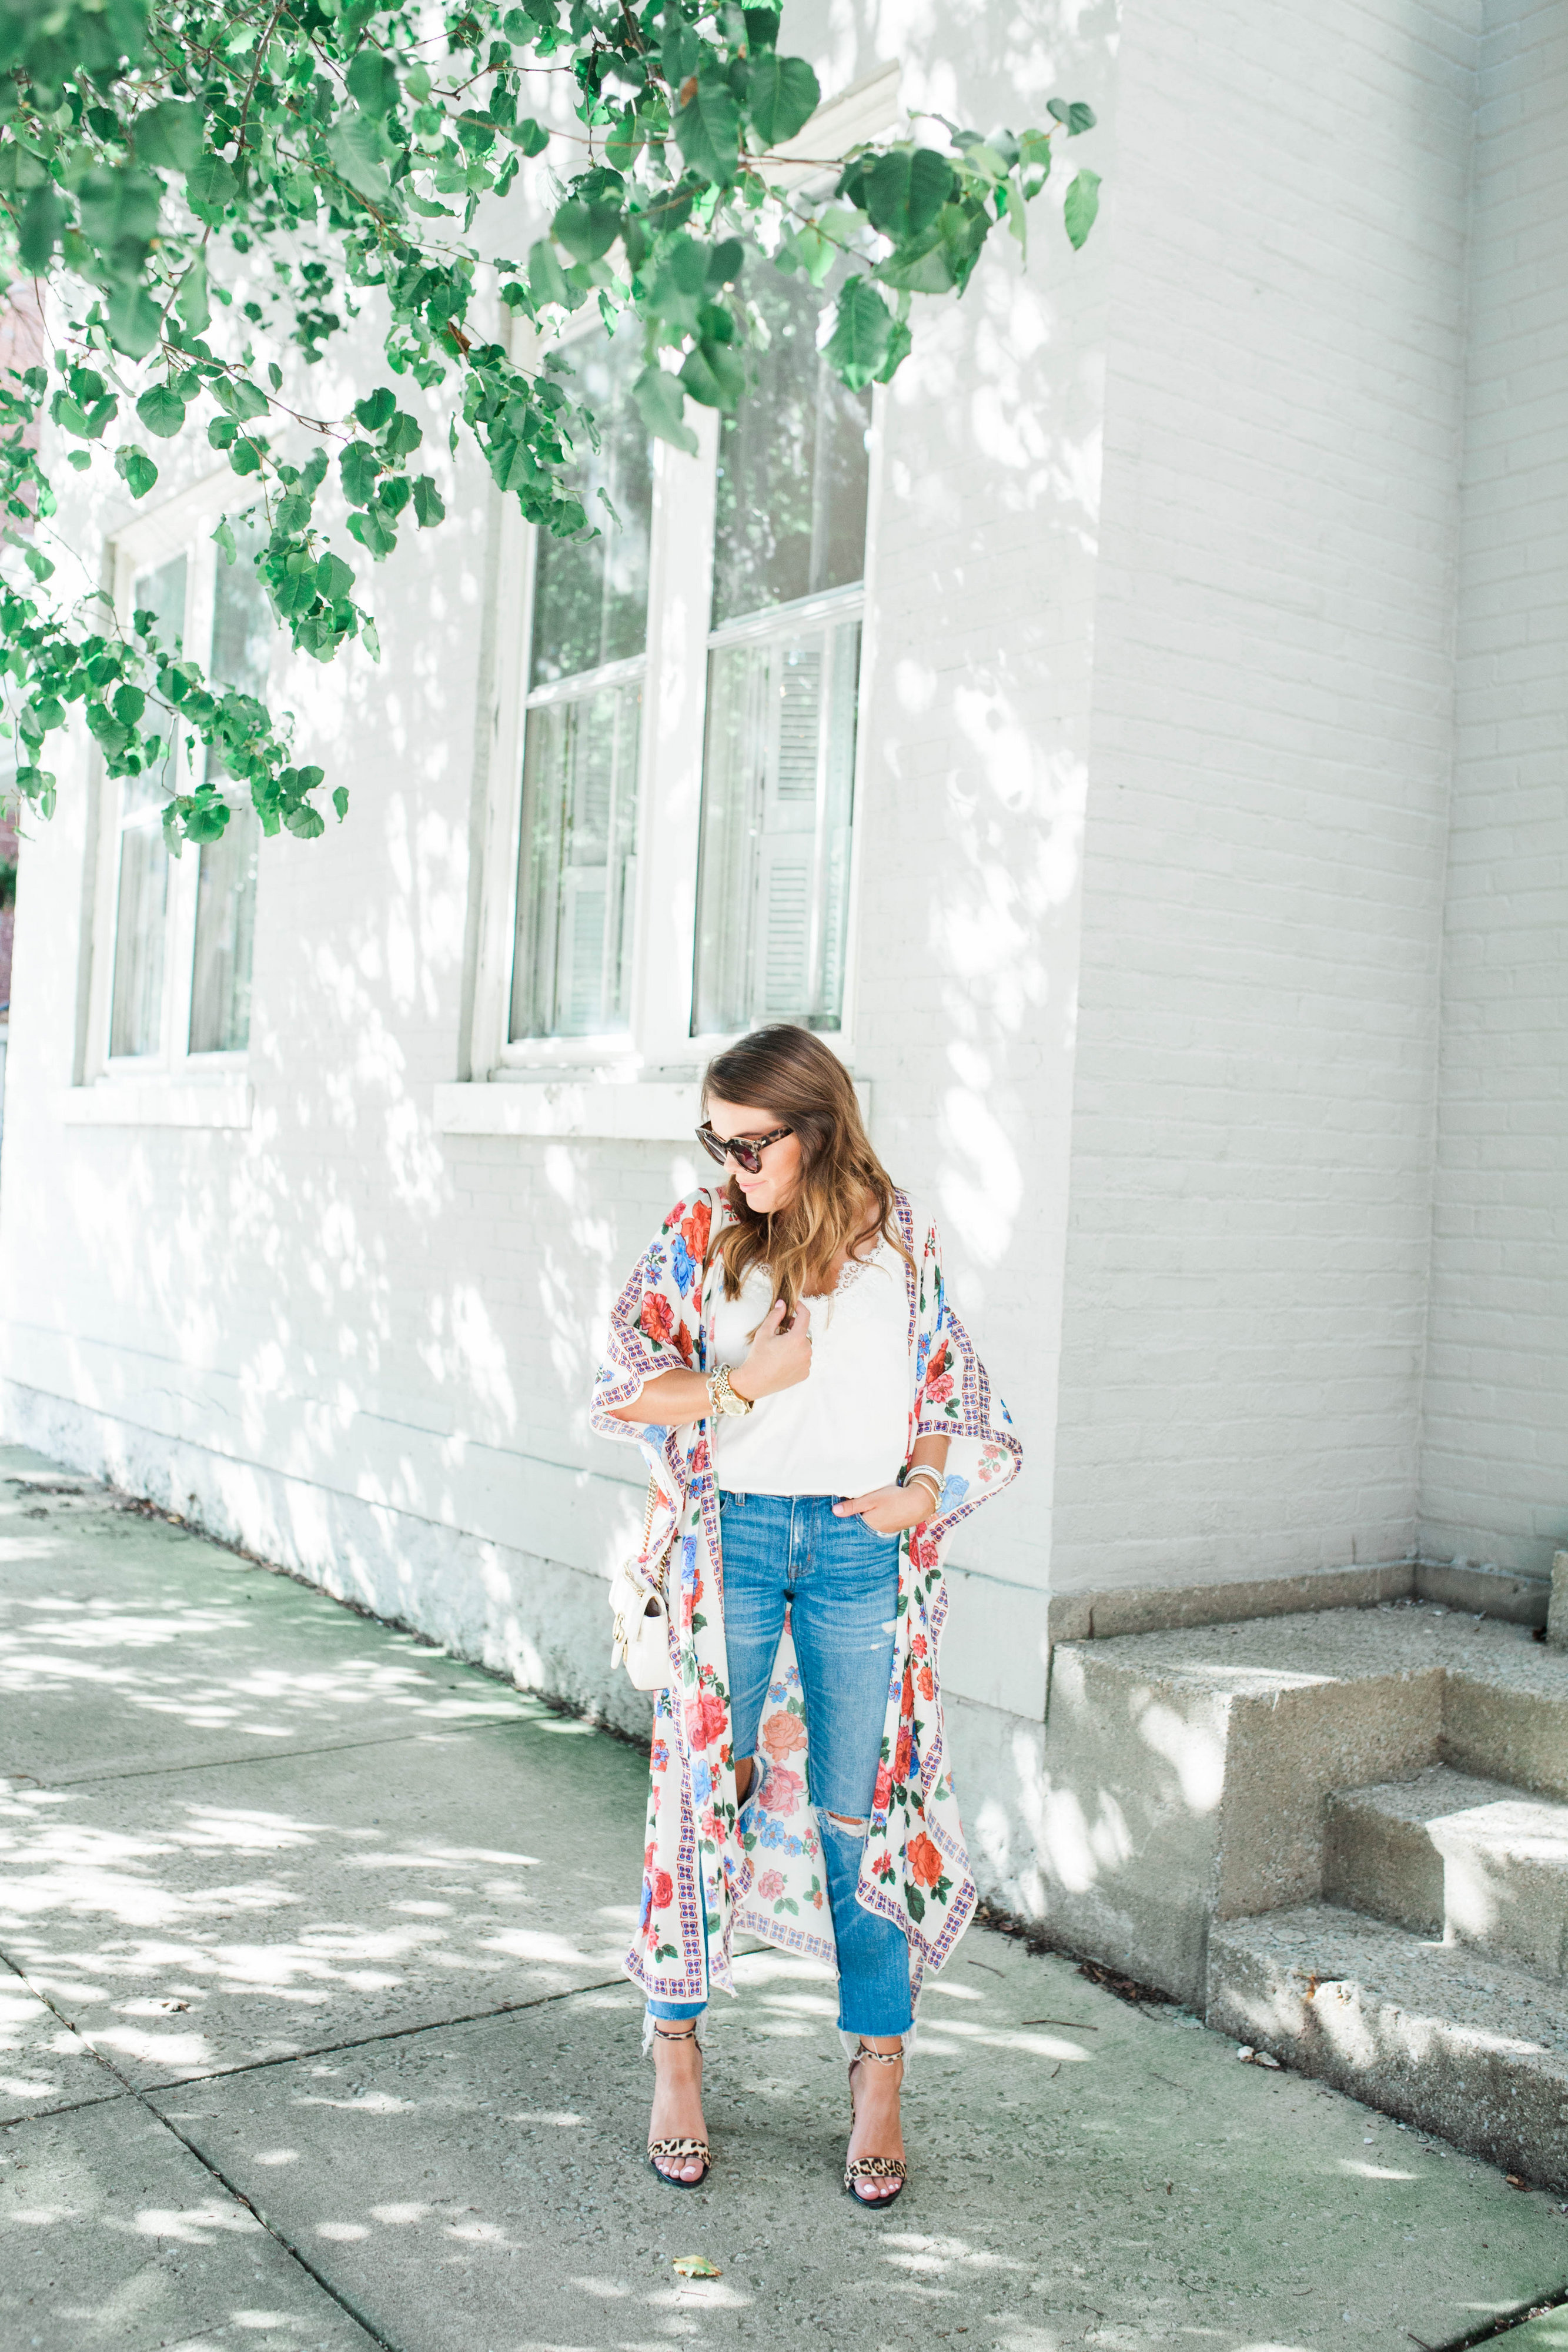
760, 1867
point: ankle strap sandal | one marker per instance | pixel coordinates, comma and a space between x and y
678, 2151
874, 2167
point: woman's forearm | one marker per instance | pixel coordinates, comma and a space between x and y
668, 1399
930, 1454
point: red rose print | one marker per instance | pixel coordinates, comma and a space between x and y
695, 1230
665, 1890
925, 1862
656, 1319
917, 1647
924, 1684
782, 1734
684, 1346
937, 1391
901, 1754
770, 1885
706, 1719
883, 1791
782, 1791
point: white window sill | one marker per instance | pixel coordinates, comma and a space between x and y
159, 1102
649, 1110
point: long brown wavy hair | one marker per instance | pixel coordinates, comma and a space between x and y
801, 1084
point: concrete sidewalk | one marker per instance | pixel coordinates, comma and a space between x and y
315, 2036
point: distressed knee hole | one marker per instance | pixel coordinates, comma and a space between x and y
848, 1828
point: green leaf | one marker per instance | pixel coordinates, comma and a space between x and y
224, 539
781, 96
531, 136
162, 410
547, 279
924, 268
211, 187
191, 301
707, 127
713, 374
361, 468
245, 456
372, 82
334, 578
372, 529
862, 332
377, 408
899, 344
134, 324
1073, 113
660, 401
341, 801
355, 144
428, 505
586, 229
43, 219
621, 146
168, 135
1082, 203
905, 190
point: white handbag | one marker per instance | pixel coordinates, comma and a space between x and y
641, 1619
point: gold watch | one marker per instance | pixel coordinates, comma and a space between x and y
723, 1399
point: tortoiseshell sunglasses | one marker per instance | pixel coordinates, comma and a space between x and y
744, 1151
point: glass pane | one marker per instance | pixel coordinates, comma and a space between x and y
136, 1015
777, 788
792, 466
243, 625
573, 961
162, 594
226, 933
590, 594
243, 630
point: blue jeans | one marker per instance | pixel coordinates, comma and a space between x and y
840, 1580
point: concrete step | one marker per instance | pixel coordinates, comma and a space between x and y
1184, 1774
1447, 1854
1458, 2042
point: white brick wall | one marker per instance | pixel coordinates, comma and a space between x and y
1495, 1461
1251, 1129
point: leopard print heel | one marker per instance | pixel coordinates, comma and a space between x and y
679, 2151
874, 2167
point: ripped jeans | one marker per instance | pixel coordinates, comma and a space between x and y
840, 1580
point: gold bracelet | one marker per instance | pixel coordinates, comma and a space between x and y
928, 1477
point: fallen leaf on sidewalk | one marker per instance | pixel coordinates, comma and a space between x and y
695, 2266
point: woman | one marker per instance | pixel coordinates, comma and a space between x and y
816, 1423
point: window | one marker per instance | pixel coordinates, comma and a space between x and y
783, 685
582, 734
226, 891
671, 810
182, 931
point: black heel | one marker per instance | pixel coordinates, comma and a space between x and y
681, 2151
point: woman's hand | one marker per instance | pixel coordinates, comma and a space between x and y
890, 1509
778, 1359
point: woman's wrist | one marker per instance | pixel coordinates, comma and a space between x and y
737, 1376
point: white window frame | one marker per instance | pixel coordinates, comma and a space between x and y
658, 1038
169, 1085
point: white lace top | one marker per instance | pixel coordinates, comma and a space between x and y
844, 1429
